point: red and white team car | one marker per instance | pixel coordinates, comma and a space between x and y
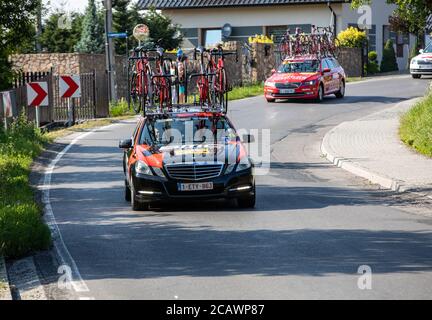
306, 77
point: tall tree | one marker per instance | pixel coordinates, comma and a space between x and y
409, 14
162, 30
61, 32
17, 21
92, 36
121, 23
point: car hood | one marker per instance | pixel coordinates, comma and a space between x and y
293, 77
424, 56
229, 152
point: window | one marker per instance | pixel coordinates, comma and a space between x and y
212, 36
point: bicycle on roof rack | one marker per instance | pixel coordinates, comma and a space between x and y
158, 84
320, 42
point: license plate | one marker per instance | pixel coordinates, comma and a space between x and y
195, 186
425, 66
287, 90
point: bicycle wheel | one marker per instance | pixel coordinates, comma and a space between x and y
135, 96
212, 86
222, 93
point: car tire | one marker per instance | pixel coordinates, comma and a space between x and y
341, 93
270, 100
416, 76
136, 205
127, 192
320, 95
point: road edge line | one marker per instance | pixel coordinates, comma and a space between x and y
60, 247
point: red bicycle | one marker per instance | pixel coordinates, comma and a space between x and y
219, 79
162, 82
205, 90
140, 79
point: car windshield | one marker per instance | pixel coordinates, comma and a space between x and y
428, 49
190, 129
299, 66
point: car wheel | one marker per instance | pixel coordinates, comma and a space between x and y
320, 96
136, 205
127, 192
270, 100
416, 76
341, 93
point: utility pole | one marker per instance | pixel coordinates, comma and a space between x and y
109, 51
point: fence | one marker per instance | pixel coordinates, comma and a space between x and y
92, 103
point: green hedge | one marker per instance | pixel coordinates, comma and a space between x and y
21, 227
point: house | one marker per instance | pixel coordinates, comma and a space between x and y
202, 21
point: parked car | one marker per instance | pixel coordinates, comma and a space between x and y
422, 64
306, 77
162, 163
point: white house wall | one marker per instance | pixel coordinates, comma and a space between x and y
253, 16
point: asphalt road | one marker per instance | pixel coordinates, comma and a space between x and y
312, 228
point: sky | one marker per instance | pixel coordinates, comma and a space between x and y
70, 5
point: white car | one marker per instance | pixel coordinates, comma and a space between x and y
422, 64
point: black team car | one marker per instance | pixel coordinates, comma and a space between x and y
187, 155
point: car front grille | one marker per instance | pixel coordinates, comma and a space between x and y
194, 171
291, 85
424, 62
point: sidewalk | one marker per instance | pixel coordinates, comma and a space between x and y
370, 148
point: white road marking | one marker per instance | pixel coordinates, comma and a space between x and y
61, 249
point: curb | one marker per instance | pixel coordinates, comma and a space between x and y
356, 169
5, 292
348, 165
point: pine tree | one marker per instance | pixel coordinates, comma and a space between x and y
121, 23
56, 38
92, 36
389, 62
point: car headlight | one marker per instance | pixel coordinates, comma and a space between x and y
270, 84
244, 164
158, 172
142, 168
309, 83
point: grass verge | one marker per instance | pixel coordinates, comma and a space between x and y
246, 91
21, 227
416, 126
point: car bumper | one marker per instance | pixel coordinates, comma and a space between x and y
155, 189
271, 93
421, 71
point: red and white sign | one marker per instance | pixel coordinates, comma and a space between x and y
70, 86
37, 94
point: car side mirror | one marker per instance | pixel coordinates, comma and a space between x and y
125, 144
421, 51
248, 138
273, 71
326, 70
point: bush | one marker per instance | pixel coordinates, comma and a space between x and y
389, 62
416, 127
21, 227
351, 38
120, 108
372, 66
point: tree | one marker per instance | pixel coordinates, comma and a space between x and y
16, 28
389, 62
162, 31
92, 36
412, 12
121, 23
61, 33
